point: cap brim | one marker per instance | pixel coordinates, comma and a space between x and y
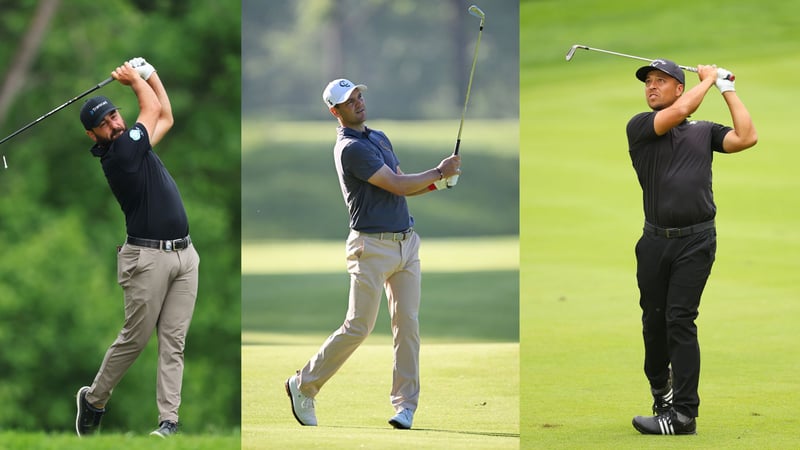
641, 74
349, 92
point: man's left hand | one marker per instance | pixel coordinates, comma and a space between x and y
143, 68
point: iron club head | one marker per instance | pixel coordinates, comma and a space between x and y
572, 49
475, 11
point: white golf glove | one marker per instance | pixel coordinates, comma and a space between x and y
452, 181
143, 68
724, 81
440, 184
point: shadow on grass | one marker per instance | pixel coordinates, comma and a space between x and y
435, 430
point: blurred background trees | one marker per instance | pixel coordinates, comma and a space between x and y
417, 54
415, 57
60, 306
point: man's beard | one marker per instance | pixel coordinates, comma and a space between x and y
103, 142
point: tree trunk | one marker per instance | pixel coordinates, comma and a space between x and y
26, 53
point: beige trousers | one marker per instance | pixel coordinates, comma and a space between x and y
160, 289
376, 265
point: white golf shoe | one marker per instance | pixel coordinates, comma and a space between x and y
302, 406
403, 419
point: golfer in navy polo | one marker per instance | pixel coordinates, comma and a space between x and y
158, 265
382, 254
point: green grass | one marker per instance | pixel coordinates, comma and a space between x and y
67, 441
580, 214
295, 294
470, 289
290, 189
469, 398
437, 255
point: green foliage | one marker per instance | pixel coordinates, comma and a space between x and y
415, 55
60, 305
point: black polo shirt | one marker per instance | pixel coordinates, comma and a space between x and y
357, 157
143, 187
674, 170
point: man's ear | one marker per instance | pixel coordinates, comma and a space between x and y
679, 89
335, 112
91, 134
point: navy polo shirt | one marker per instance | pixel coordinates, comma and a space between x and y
357, 157
143, 187
674, 170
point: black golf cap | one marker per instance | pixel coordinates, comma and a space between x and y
94, 111
664, 65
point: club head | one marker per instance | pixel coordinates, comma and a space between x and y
475, 11
572, 49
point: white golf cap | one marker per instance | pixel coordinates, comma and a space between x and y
338, 91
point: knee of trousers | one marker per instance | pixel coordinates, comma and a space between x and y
357, 328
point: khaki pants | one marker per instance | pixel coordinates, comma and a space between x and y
375, 265
160, 289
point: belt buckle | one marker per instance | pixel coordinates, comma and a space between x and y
398, 236
672, 232
168, 245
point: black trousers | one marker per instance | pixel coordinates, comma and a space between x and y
672, 273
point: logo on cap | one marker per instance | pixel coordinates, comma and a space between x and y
98, 106
345, 84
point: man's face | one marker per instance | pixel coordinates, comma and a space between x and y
109, 129
353, 111
661, 90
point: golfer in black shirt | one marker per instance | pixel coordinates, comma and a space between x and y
672, 157
158, 265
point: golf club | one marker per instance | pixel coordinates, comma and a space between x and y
475, 11
67, 103
572, 49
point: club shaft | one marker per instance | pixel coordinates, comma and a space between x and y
469, 88
686, 68
60, 107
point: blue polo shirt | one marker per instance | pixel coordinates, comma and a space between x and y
357, 157
143, 187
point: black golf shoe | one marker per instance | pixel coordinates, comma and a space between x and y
88, 418
667, 423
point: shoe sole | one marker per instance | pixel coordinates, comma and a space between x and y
644, 431
398, 425
291, 402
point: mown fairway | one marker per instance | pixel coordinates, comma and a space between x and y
580, 214
295, 286
469, 357
470, 398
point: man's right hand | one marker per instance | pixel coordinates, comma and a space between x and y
125, 74
707, 72
450, 166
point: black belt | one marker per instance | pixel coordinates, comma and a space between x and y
390, 236
168, 245
670, 233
